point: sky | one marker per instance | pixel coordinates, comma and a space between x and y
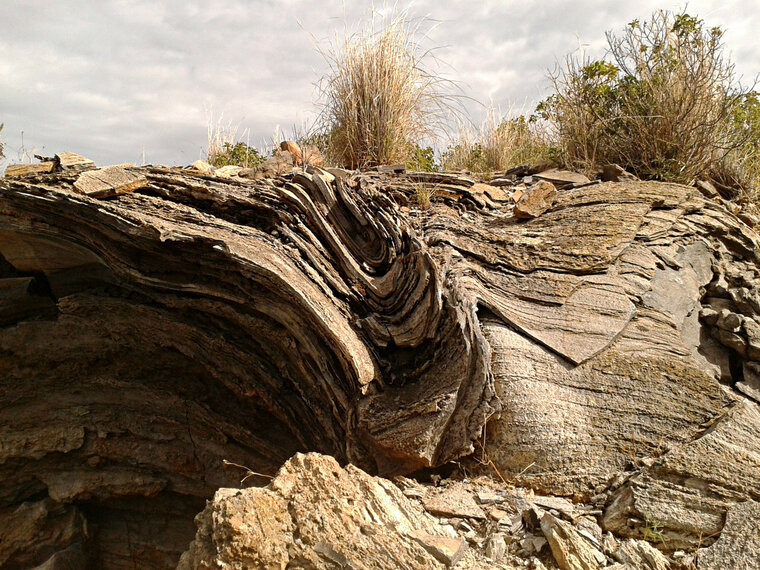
136, 81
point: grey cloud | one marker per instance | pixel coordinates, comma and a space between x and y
108, 79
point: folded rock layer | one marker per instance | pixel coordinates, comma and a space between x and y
153, 342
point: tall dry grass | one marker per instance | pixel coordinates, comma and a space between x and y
499, 143
379, 98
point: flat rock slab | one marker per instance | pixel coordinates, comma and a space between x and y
110, 181
455, 501
18, 170
73, 161
563, 177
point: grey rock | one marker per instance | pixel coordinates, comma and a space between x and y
750, 385
496, 547
739, 542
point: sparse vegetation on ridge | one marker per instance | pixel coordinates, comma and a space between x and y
665, 104
500, 143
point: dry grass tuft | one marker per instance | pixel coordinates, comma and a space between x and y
500, 143
379, 98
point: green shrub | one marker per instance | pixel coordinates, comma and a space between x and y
421, 159
237, 154
661, 105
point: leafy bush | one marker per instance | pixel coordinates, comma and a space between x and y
237, 154
378, 98
661, 107
420, 159
499, 144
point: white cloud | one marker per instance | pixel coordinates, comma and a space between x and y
109, 78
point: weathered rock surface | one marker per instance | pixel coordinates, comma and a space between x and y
739, 543
147, 337
315, 514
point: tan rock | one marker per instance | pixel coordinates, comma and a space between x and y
315, 514
72, 161
570, 550
536, 200
19, 170
202, 165
641, 555
563, 178
109, 181
454, 501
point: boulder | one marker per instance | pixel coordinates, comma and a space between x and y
150, 337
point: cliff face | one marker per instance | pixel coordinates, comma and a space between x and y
149, 336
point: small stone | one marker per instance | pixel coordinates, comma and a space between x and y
563, 178
641, 554
445, 549
707, 189
413, 493
538, 199
202, 166
496, 547
497, 514
488, 498
730, 340
708, 315
728, 321
616, 173
562, 506
455, 501
570, 550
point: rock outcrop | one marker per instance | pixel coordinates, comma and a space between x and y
606, 350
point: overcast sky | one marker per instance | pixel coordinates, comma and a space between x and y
115, 79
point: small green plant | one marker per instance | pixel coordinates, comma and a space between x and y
2, 155
421, 159
237, 154
653, 531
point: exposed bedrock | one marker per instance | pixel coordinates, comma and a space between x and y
147, 338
